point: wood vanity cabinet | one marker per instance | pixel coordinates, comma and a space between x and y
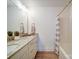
27, 52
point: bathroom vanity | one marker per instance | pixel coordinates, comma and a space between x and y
24, 48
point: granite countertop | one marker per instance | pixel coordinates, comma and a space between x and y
14, 46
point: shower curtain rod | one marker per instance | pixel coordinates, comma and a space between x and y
65, 7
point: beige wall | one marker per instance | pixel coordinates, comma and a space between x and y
66, 30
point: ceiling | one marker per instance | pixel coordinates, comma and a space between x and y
45, 3
40, 3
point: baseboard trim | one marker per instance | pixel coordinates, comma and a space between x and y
49, 52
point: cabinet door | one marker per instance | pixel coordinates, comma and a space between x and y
32, 49
25, 52
17, 55
21, 54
